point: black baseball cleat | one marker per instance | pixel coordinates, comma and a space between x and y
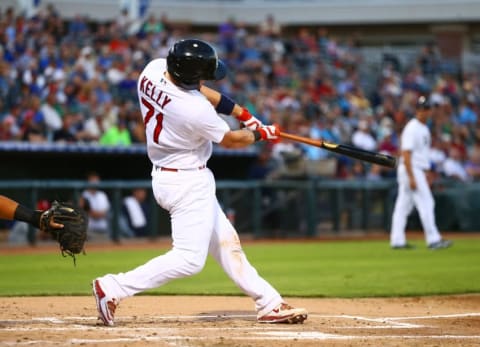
405, 246
440, 244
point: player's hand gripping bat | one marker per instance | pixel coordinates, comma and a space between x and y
349, 151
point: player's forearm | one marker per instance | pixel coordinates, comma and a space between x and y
239, 138
212, 95
224, 105
12, 210
221, 103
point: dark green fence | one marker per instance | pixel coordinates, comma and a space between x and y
290, 208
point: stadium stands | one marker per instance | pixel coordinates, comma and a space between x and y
66, 80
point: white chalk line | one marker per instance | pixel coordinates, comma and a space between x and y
382, 321
387, 322
454, 315
244, 316
267, 332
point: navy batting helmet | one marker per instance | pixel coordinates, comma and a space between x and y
190, 61
423, 102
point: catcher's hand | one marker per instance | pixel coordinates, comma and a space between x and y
73, 234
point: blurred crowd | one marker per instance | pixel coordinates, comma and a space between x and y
75, 80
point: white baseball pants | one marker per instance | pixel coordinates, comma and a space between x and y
199, 227
420, 198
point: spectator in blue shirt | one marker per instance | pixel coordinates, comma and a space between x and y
467, 115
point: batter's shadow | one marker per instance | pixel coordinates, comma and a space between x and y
221, 316
202, 317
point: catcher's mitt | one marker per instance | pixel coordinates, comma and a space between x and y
73, 235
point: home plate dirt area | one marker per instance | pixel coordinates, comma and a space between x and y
213, 321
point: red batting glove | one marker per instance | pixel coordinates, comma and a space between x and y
249, 121
270, 133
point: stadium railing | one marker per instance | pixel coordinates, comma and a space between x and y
281, 209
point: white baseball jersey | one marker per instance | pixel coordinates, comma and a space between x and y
180, 124
416, 138
180, 127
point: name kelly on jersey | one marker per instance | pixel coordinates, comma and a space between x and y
148, 88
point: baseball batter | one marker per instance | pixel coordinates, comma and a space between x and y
181, 122
413, 187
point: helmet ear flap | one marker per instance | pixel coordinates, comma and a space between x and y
220, 71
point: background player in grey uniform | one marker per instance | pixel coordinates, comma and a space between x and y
413, 186
181, 121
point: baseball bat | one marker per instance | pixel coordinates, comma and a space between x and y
349, 151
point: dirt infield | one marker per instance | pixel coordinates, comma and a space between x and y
213, 321
210, 321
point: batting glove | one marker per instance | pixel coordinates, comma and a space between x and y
270, 133
249, 121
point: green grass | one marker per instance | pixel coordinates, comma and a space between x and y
315, 269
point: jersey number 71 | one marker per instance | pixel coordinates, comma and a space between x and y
149, 115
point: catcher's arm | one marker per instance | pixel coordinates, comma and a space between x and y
12, 210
